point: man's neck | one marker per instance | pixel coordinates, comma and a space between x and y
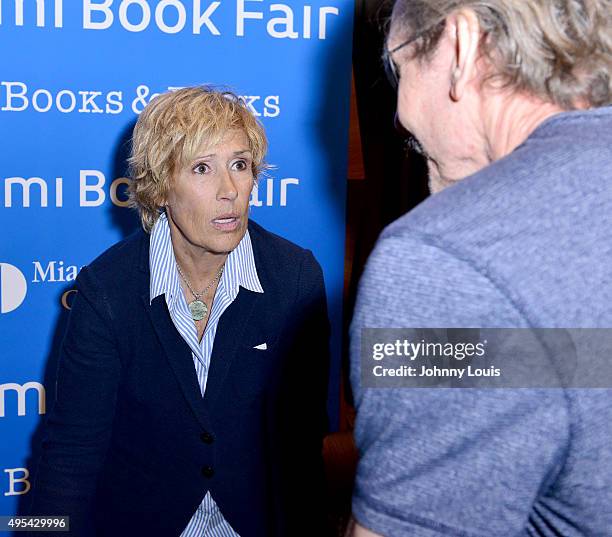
510, 120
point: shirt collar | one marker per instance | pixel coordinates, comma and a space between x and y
240, 269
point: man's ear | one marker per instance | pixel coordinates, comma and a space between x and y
465, 28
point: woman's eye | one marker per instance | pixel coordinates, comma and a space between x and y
240, 165
201, 168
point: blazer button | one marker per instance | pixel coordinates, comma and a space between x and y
207, 438
207, 471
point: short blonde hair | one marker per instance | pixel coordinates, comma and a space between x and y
558, 50
171, 129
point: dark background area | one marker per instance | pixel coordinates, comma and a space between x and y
385, 181
389, 180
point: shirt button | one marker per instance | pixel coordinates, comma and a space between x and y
207, 438
207, 471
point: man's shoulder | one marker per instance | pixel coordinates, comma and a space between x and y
509, 196
527, 222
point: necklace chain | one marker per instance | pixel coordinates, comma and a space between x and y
198, 295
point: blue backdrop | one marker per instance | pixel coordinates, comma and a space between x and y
74, 74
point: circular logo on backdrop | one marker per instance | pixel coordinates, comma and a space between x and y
13, 287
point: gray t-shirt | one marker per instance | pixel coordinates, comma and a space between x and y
526, 242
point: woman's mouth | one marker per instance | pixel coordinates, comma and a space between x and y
226, 222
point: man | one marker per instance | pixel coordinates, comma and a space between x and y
509, 103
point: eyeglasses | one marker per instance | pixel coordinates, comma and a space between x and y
391, 69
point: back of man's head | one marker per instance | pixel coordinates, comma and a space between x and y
557, 50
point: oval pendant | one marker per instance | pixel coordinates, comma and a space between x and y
198, 310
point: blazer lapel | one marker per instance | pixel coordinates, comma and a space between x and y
229, 336
178, 355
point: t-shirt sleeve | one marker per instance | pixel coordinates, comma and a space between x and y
460, 462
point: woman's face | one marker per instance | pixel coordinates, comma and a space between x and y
208, 201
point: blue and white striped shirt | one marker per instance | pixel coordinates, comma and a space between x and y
239, 270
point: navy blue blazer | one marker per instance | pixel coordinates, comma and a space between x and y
131, 447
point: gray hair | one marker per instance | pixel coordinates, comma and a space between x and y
558, 50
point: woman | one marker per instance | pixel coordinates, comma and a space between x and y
193, 375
